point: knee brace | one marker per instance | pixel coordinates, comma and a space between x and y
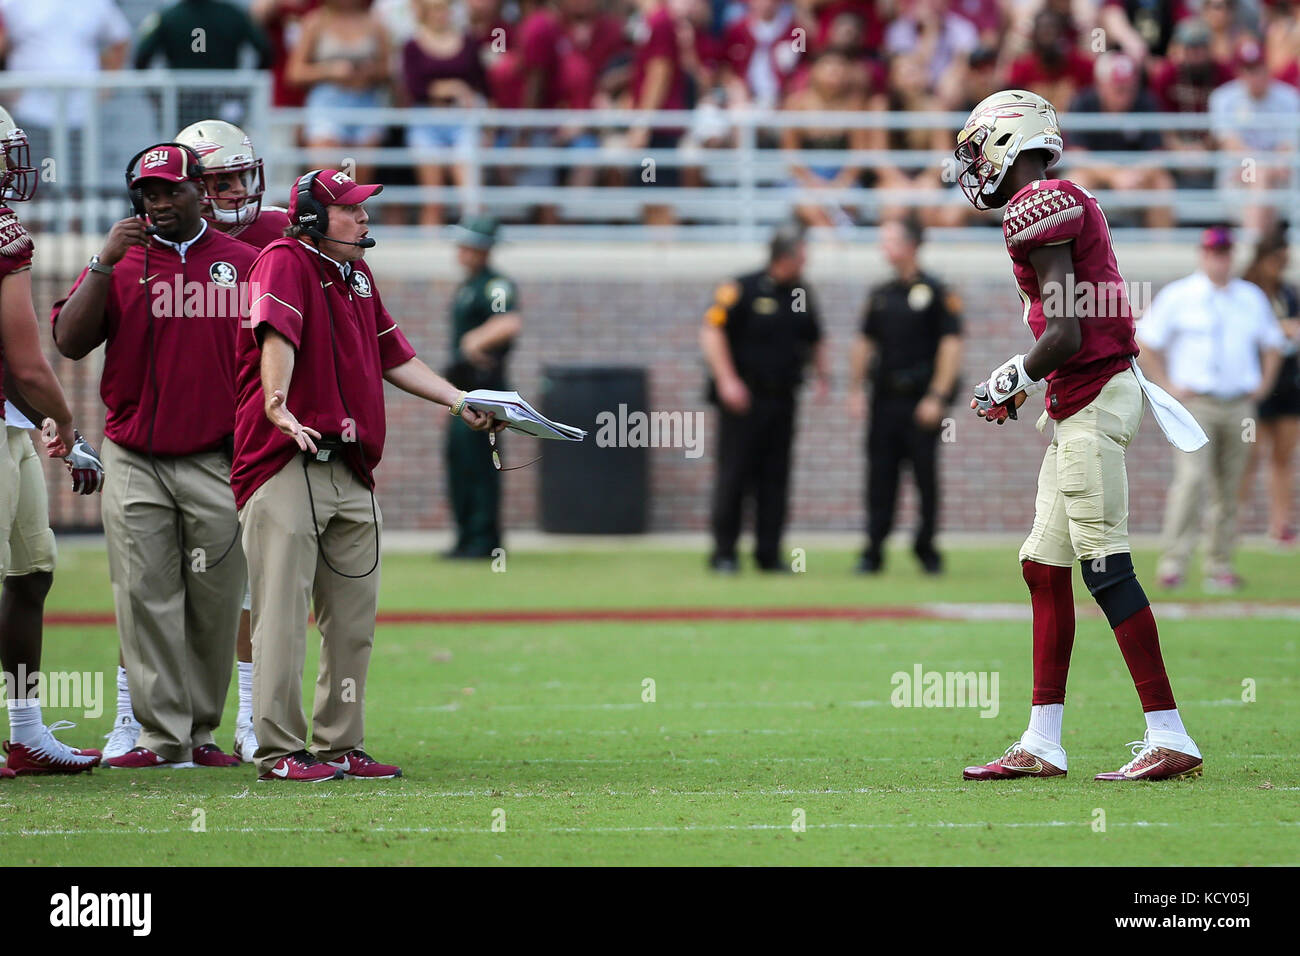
1114, 586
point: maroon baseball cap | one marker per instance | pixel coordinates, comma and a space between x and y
1217, 238
333, 188
1249, 53
164, 161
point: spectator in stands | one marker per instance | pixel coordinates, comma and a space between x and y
1182, 83
1222, 19
593, 54
830, 87
1252, 95
1212, 342
60, 36
1118, 89
493, 40
342, 58
1053, 67
1278, 425
1080, 17
763, 51
440, 67
986, 16
281, 21
847, 35
819, 17
1282, 41
909, 92
203, 35
659, 82
1142, 29
930, 30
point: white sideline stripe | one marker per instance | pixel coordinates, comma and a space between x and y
689, 828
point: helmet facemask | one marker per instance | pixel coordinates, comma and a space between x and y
248, 206
979, 175
18, 181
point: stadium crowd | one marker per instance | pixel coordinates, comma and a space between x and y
1227, 59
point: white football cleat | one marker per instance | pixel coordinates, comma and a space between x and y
245, 742
122, 738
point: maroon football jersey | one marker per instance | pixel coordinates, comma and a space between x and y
16, 248
262, 231
344, 340
1049, 212
169, 365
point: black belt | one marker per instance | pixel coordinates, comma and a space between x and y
328, 447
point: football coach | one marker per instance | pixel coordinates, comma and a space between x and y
309, 431
165, 296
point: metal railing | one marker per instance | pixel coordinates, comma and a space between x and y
740, 185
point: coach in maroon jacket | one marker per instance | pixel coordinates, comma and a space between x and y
168, 304
321, 343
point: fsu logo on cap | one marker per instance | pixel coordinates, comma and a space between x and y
361, 284
223, 273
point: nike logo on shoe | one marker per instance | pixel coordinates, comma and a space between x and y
281, 770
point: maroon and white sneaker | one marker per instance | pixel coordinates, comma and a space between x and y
1160, 755
1223, 583
357, 764
302, 766
1170, 580
1044, 760
142, 758
49, 755
210, 755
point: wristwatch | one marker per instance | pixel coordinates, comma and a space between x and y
97, 266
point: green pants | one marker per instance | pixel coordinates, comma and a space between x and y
475, 489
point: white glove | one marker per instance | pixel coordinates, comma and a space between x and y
1010, 379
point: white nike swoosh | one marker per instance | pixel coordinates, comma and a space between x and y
1145, 770
1036, 768
279, 772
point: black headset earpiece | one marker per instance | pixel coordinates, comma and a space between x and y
308, 211
194, 165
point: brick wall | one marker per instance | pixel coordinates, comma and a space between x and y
648, 316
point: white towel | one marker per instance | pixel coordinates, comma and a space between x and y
1180, 428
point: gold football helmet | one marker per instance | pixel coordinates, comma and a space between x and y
17, 175
998, 130
225, 150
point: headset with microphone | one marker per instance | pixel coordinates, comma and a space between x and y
192, 171
311, 215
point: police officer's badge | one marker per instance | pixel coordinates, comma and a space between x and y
223, 274
765, 305
920, 296
361, 284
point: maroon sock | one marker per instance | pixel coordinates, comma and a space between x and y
1051, 592
1140, 645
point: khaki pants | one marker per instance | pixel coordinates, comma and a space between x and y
1214, 472
287, 572
1082, 506
177, 599
26, 541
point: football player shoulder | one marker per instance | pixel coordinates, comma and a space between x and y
276, 217
16, 246
1044, 213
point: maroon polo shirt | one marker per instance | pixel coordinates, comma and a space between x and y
191, 308
16, 249
298, 292
262, 231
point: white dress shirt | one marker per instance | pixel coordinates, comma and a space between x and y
1211, 336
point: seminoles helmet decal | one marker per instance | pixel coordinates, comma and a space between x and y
225, 149
996, 132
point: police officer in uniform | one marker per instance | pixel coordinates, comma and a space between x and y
485, 321
760, 332
910, 349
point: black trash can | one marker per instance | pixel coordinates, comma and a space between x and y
587, 489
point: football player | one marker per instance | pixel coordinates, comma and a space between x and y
234, 181
27, 552
1084, 362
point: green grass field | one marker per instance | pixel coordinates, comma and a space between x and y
530, 743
